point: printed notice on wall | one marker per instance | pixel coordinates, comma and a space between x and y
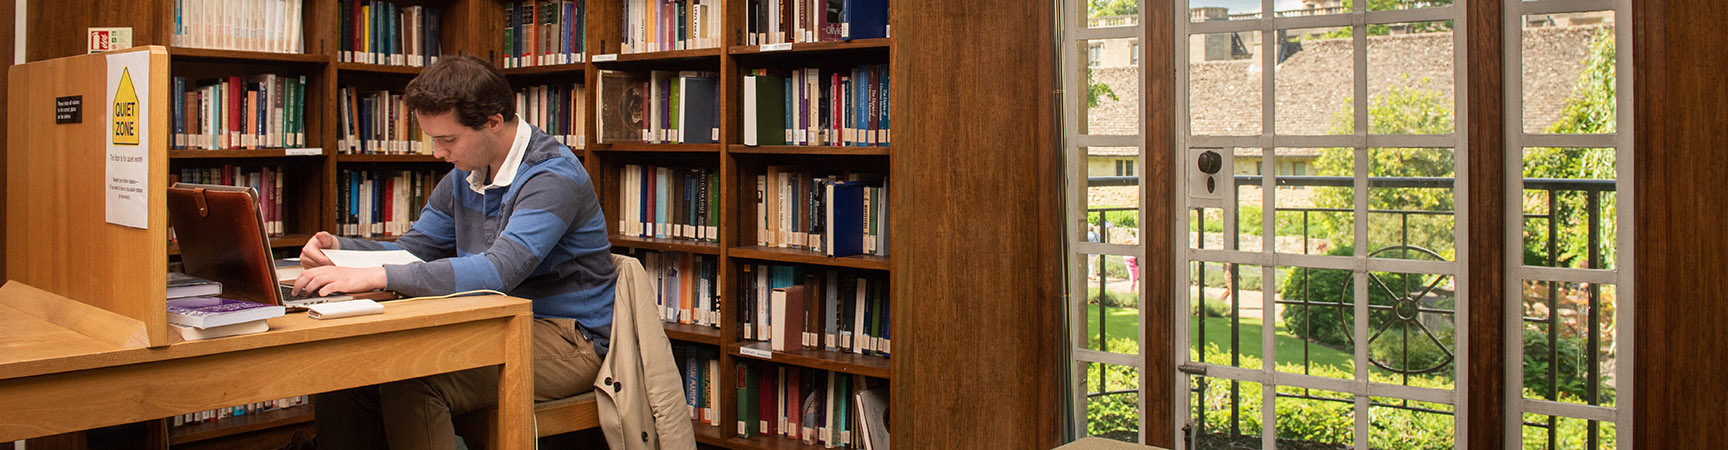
128, 156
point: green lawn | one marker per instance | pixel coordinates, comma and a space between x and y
1123, 323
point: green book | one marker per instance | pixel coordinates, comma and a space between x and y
764, 110
748, 410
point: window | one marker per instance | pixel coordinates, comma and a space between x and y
1094, 55
1134, 53
1568, 243
1124, 168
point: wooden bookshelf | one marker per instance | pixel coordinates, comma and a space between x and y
351, 158
797, 256
377, 68
808, 150
574, 70
187, 434
698, 334
214, 55
812, 47
666, 245
850, 363
657, 148
242, 153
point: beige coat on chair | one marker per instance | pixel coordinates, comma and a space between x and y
640, 392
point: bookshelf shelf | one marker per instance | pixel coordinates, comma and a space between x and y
666, 245
809, 150
576, 69
205, 54
708, 434
694, 55
693, 333
852, 363
811, 47
796, 256
377, 68
187, 434
236, 153
646, 147
388, 159
764, 442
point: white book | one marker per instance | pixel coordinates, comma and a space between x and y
750, 137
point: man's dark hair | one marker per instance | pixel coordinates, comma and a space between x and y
465, 84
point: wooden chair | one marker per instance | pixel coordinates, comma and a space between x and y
552, 417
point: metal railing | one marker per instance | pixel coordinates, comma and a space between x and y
1552, 189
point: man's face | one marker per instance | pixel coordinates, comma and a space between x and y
469, 149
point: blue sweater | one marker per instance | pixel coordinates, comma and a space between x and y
542, 238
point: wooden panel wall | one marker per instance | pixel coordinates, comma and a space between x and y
8, 15
1680, 107
57, 236
58, 27
976, 178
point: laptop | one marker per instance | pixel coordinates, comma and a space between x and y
221, 233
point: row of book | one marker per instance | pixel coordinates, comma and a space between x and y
663, 107
816, 407
670, 202
778, 21
380, 32
250, 25
240, 410
667, 25
793, 308
837, 215
383, 202
253, 111
686, 287
377, 123
544, 32
699, 366
557, 109
267, 181
814, 106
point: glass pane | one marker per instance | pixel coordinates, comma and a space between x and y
1317, 315
1113, 402
1316, 204
1113, 303
1226, 412
1248, 165
1211, 10
1206, 228
1316, 77
1387, 5
1410, 78
1569, 73
1225, 314
1409, 424
1112, 76
1112, 13
1287, 8
1412, 331
1315, 419
1112, 195
1570, 342
1570, 208
1571, 433
1411, 203
1224, 95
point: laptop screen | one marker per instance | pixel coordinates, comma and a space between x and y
221, 235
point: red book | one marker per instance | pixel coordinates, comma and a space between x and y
770, 391
793, 383
236, 91
652, 174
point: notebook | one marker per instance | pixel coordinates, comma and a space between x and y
221, 233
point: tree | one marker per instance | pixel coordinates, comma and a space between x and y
1105, 8
1400, 110
1591, 110
1096, 90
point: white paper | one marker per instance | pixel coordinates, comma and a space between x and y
370, 258
127, 179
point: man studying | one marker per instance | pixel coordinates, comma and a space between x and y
519, 215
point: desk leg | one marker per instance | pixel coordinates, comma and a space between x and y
516, 388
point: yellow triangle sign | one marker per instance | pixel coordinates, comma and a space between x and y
125, 111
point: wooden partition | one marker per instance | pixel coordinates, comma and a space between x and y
57, 237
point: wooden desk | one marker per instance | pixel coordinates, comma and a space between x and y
55, 380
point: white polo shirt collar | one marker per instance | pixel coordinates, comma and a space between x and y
505, 175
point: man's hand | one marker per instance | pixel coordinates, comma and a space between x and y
312, 255
328, 280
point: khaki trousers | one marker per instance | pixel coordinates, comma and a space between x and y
415, 414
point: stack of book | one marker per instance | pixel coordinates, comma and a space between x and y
213, 317
670, 202
793, 308
668, 25
781, 21
376, 32
836, 215
814, 106
556, 109
660, 107
252, 25
250, 112
685, 287
817, 407
544, 32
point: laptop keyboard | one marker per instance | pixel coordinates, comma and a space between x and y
306, 298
